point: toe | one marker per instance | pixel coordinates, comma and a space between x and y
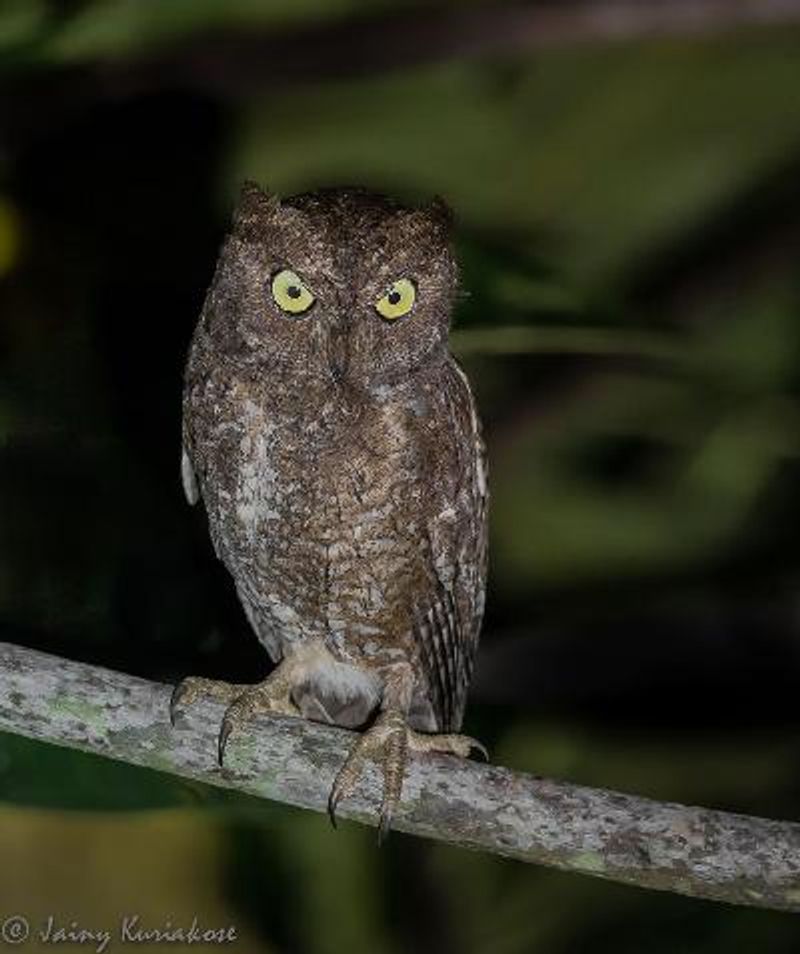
347, 777
180, 693
393, 763
333, 801
174, 701
224, 732
193, 687
460, 745
386, 742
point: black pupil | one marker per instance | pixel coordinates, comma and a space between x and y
394, 297
293, 291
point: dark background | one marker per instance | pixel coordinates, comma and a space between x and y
627, 193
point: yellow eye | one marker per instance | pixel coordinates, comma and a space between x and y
398, 300
290, 293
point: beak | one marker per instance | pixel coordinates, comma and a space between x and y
338, 348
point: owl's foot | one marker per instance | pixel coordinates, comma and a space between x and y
388, 742
244, 701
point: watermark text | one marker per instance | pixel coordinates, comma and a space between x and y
16, 930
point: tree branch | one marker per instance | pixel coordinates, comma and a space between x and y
692, 851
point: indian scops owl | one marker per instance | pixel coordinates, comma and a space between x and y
336, 447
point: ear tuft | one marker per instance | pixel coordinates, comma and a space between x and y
441, 210
441, 214
255, 206
434, 220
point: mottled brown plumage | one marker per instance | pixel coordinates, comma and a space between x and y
339, 458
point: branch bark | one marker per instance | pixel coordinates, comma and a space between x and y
669, 847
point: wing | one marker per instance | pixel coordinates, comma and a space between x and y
448, 630
201, 422
189, 478
196, 361
210, 432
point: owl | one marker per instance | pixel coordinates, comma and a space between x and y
335, 444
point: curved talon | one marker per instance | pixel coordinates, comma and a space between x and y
174, 700
225, 730
173, 703
480, 748
333, 801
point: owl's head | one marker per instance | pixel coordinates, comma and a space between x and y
340, 285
